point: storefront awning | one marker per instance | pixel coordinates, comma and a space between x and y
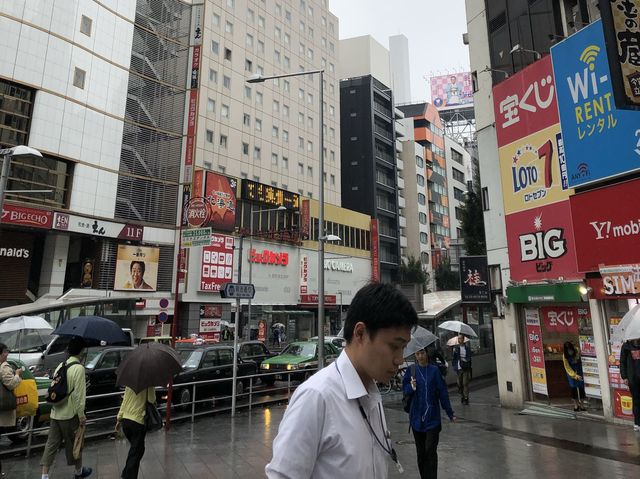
438, 303
545, 293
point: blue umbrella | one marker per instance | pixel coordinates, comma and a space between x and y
93, 328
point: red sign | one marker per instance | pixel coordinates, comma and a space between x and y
313, 299
262, 331
526, 102
541, 243
536, 352
560, 319
268, 257
21, 215
216, 268
617, 282
607, 226
198, 212
622, 404
220, 194
305, 219
375, 251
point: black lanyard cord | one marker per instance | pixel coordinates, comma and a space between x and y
388, 448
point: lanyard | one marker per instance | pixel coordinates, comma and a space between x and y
426, 392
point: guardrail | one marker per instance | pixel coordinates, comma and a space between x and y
247, 399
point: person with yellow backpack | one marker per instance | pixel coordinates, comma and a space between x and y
10, 381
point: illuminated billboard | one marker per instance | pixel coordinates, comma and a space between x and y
452, 90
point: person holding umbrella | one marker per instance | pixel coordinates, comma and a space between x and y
149, 365
630, 372
428, 392
10, 381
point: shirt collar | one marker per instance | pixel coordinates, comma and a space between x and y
353, 385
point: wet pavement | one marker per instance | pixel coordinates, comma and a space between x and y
486, 442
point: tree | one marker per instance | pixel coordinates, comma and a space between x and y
413, 272
445, 278
472, 220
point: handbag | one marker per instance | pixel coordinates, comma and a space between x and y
26, 393
7, 399
152, 418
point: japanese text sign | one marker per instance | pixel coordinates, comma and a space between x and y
536, 351
541, 243
216, 268
594, 131
474, 279
606, 225
560, 319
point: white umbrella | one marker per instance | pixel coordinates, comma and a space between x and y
420, 339
458, 327
453, 341
18, 323
277, 325
619, 333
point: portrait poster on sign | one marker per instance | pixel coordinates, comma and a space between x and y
136, 268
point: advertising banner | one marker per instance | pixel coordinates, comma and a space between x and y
594, 131
541, 243
210, 321
24, 216
216, 266
621, 21
375, 252
618, 282
474, 279
94, 227
606, 225
536, 352
560, 319
220, 194
305, 219
451, 90
304, 274
136, 268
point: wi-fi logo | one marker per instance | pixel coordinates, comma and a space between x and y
589, 56
583, 169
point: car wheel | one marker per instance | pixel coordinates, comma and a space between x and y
22, 429
184, 398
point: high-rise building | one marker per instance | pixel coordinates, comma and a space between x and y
458, 177
400, 68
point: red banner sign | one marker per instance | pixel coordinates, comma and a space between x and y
305, 219
268, 257
375, 251
313, 299
541, 243
526, 102
536, 352
616, 282
220, 194
216, 268
23, 216
606, 224
560, 319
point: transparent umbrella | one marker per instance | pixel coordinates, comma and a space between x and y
458, 327
420, 339
626, 325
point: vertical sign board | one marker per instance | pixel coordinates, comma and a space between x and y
474, 279
305, 218
216, 268
375, 251
600, 140
536, 352
220, 194
621, 21
304, 274
210, 321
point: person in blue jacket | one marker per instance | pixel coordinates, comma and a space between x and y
428, 391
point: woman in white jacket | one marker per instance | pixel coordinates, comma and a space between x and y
10, 380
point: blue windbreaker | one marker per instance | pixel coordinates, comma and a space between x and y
427, 398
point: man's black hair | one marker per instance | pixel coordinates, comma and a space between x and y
76, 345
142, 266
3, 348
379, 306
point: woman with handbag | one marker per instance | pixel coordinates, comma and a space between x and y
10, 381
131, 418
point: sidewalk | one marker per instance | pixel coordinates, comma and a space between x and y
486, 442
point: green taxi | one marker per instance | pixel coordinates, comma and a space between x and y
298, 360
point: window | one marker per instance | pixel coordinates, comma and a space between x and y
458, 194
324, 21
277, 32
301, 118
419, 162
422, 218
274, 159
287, 39
310, 54
456, 156
276, 56
260, 21
333, 180
422, 199
287, 15
332, 67
248, 65
301, 49
275, 132
213, 76
332, 155
230, 4
276, 106
485, 199
247, 92
458, 175
310, 171
250, 15
287, 61
211, 105
225, 111
249, 40
310, 32
260, 70
85, 25
209, 136
285, 111
260, 46
332, 47
332, 89
459, 213
285, 165
309, 98
301, 94
245, 149
424, 238
228, 27
215, 20
285, 136
215, 47
332, 110
258, 98
256, 153
332, 133
78, 78
286, 85
309, 122
258, 125
310, 146
302, 27
300, 169
223, 141
227, 54
301, 143
226, 81
420, 180
278, 10
246, 119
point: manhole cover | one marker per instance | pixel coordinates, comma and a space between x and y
404, 443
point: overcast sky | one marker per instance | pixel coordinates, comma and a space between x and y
434, 29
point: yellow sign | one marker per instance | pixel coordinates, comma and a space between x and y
534, 171
539, 380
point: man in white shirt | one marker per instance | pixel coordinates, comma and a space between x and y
335, 425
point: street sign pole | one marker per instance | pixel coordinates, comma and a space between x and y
235, 335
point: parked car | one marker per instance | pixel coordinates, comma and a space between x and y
253, 350
205, 363
300, 356
100, 368
338, 341
156, 339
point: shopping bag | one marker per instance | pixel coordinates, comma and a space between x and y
26, 394
78, 442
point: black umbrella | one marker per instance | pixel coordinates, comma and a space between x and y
93, 328
150, 364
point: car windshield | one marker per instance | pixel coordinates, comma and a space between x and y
304, 350
190, 359
26, 340
92, 359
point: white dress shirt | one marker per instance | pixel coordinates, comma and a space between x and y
323, 434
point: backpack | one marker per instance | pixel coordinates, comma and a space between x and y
58, 390
406, 398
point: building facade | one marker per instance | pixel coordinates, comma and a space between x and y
458, 161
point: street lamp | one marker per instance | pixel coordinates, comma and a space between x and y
518, 49
8, 154
321, 232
